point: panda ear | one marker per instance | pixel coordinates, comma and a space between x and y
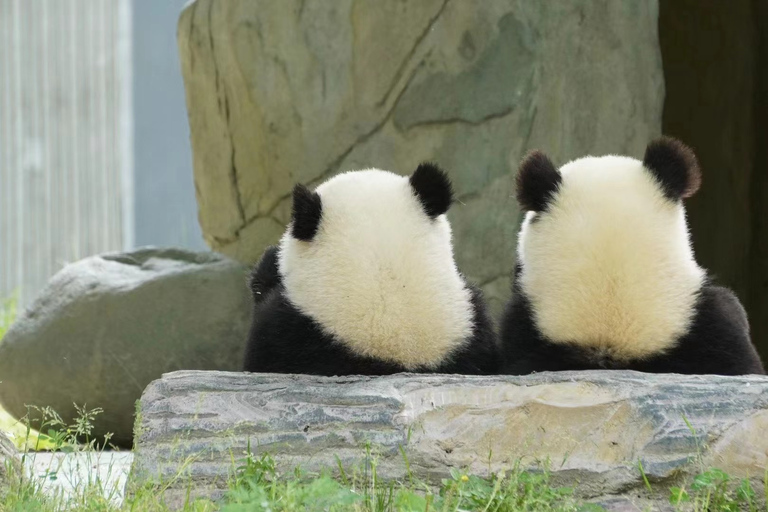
674, 166
306, 213
433, 189
537, 182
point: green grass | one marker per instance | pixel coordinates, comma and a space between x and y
714, 489
256, 485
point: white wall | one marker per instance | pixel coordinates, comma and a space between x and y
166, 210
66, 127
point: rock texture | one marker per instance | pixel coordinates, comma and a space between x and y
106, 326
593, 427
295, 91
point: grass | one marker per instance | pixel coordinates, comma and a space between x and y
715, 490
257, 485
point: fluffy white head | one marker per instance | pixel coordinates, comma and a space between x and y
608, 263
379, 272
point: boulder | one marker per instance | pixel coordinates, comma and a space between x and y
293, 91
106, 326
594, 428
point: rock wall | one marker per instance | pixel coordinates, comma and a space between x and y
295, 91
593, 427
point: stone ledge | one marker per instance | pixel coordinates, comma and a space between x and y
593, 427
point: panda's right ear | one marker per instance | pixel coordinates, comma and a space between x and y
674, 166
306, 213
537, 182
432, 188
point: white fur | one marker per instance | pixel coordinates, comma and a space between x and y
379, 274
609, 266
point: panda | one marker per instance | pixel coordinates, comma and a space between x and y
364, 282
606, 277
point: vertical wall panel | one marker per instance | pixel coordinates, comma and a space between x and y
65, 136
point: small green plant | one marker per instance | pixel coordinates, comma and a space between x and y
712, 490
715, 490
515, 490
258, 486
40, 486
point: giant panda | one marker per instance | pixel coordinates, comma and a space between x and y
606, 277
364, 282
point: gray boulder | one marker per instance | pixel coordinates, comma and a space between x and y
106, 326
288, 91
593, 427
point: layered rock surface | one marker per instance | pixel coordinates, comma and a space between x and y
294, 91
594, 428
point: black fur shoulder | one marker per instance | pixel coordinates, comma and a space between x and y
718, 341
265, 275
729, 307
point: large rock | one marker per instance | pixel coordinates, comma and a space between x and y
294, 91
108, 325
594, 427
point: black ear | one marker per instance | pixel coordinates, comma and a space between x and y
433, 188
675, 167
537, 182
306, 213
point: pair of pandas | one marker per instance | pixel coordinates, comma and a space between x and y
364, 279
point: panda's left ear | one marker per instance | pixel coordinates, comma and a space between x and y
537, 182
674, 166
433, 189
306, 213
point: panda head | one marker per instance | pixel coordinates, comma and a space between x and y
353, 193
604, 250
368, 255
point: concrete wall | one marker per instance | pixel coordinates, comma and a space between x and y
166, 211
94, 138
65, 136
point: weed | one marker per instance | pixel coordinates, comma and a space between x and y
258, 486
715, 490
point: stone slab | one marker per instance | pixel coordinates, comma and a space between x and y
592, 429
